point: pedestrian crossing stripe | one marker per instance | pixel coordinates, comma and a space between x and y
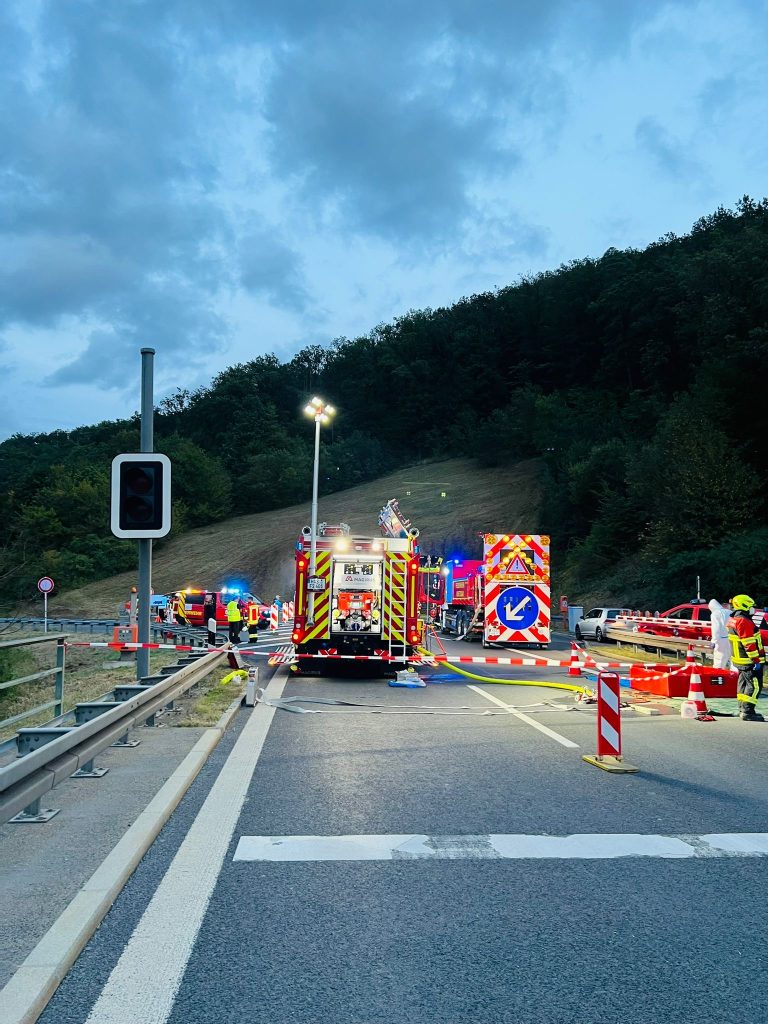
580, 846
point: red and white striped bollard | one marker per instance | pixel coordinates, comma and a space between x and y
608, 756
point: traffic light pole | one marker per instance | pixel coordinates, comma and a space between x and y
145, 546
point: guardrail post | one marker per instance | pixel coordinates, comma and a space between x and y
32, 815
59, 685
125, 742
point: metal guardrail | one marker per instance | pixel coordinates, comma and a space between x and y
660, 644
57, 671
58, 624
61, 751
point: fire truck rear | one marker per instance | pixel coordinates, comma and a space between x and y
361, 600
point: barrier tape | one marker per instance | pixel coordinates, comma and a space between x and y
419, 659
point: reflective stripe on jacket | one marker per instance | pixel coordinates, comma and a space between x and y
745, 639
233, 612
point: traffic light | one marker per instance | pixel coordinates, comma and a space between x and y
141, 495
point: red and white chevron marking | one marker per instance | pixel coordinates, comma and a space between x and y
608, 715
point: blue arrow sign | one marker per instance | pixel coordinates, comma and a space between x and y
517, 608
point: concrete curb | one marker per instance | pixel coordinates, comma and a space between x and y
29, 990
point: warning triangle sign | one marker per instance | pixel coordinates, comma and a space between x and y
518, 567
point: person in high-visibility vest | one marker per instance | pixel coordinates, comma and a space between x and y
747, 656
235, 620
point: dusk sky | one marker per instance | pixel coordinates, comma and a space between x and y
222, 180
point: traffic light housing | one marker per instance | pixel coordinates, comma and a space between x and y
141, 495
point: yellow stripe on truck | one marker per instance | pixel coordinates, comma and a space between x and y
321, 629
394, 595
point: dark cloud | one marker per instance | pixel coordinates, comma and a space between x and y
720, 97
671, 155
271, 268
169, 319
397, 117
397, 164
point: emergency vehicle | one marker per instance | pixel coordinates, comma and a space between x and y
190, 604
462, 611
361, 600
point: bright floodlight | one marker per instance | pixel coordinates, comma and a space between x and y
321, 410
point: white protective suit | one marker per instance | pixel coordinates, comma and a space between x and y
721, 655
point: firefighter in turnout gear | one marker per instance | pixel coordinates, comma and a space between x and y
235, 620
747, 656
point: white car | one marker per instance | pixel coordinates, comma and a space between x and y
596, 622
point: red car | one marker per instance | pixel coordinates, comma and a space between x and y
692, 622
689, 621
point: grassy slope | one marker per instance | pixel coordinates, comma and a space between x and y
259, 548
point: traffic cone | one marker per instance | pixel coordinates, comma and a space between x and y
574, 669
696, 706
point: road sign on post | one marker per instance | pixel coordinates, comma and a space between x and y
141, 495
45, 585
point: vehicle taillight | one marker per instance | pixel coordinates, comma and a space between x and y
296, 636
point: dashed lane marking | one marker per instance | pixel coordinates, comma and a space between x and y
526, 718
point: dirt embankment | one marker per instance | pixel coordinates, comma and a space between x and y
450, 502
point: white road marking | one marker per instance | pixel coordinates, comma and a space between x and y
143, 985
526, 718
586, 846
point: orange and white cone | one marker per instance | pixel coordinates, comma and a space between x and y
696, 706
574, 669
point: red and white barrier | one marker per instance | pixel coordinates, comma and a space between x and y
417, 659
608, 756
273, 617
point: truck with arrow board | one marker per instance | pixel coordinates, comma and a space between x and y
515, 590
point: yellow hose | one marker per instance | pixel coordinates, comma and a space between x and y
508, 682
231, 675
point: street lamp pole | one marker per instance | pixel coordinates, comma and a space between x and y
313, 525
321, 412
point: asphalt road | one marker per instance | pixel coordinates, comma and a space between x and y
583, 941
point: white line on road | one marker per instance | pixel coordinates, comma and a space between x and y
526, 718
145, 980
596, 846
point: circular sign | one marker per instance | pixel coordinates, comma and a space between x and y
45, 585
517, 608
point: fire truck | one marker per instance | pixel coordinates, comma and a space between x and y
461, 613
361, 599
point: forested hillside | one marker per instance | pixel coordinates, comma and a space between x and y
636, 377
